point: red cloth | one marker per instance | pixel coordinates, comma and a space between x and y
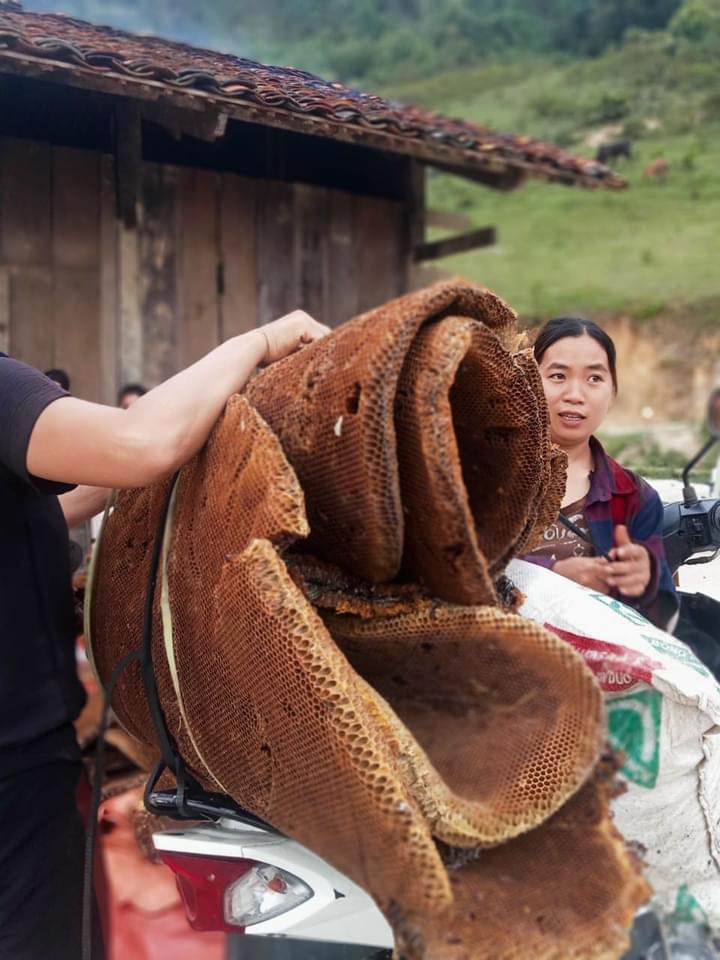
146, 917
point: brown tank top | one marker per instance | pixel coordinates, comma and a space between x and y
559, 543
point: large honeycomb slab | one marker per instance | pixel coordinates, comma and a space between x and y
332, 407
327, 633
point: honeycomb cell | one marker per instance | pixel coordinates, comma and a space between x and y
568, 890
495, 720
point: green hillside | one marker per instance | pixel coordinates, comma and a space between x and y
653, 247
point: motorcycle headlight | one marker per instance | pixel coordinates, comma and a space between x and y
263, 893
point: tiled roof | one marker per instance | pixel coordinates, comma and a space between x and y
66, 50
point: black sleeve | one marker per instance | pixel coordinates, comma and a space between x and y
24, 394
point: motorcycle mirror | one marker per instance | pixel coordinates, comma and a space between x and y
713, 414
712, 421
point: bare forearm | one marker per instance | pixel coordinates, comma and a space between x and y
180, 413
84, 443
82, 503
74, 441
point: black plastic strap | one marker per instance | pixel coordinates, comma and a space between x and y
167, 748
579, 532
189, 798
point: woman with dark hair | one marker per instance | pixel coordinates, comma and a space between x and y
619, 513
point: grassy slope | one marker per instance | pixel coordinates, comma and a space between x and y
561, 248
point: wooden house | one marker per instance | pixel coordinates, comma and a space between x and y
156, 198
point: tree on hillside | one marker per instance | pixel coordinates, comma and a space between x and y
589, 26
697, 21
378, 40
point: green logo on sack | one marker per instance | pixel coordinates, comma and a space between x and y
687, 907
678, 651
626, 612
634, 728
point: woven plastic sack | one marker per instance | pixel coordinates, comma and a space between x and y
664, 712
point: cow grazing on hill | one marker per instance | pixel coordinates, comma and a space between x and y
613, 150
657, 169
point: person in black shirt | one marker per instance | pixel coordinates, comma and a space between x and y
59, 376
50, 442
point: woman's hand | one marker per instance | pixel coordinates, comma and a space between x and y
285, 335
630, 570
591, 572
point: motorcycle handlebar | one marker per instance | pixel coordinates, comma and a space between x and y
690, 529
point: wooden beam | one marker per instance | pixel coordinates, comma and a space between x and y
76, 333
447, 220
25, 202
342, 267
109, 288
238, 256
416, 194
276, 293
208, 125
75, 208
32, 316
198, 305
130, 333
4, 310
508, 177
380, 255
158, 286
310, 229
76, 268
413, 234
128, 160
484, 237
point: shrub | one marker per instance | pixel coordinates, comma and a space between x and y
694, 21
555, 106
608, 107
711, 106
634, 128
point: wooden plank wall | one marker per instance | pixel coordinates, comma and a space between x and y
213, 254
50, 257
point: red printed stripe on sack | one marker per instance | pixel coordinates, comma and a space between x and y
615, 667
